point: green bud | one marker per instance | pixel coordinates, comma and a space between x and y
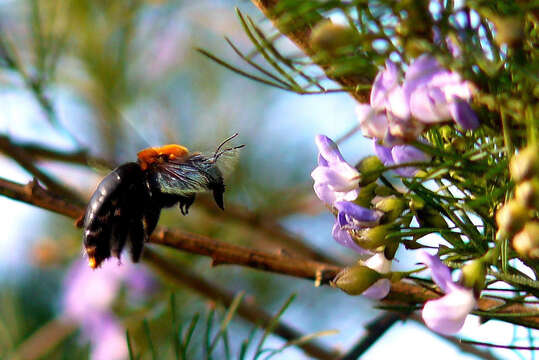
392, 206
459, 144
370, 169
527, 193
447, 132
329, 37
509, 29
511, 218
473, 275
416, 203
372, 238
356, 279
525, 164
366, 194
526, 242
384, 191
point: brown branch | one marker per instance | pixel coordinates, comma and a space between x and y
39, 152
264, 225
181, 275
223, 253
300, 35
26, 161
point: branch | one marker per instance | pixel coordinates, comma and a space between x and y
301, 37
223, 253
182, 276
265, 225
37, 151
26, 161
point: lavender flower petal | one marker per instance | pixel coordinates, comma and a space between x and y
383, 153
407, 153
441, 274
384, 83
447, 314
108, 340
380, 288
463, 114
372, 124
344, 238
358, 215
334, 179
328, 149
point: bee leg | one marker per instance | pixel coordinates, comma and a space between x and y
150, 219
218, 192
185, 203
137, 237
119, 237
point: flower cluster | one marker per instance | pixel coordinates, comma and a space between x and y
88, 295
337, 184
398, 113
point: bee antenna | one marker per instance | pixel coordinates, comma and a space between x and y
217, 154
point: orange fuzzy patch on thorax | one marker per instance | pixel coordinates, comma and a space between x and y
169, 152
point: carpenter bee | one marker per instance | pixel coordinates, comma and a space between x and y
127, 203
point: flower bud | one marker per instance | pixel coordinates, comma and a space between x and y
330, 37
527, 193
511, 218
372, 238
509, 29
473, 275
392, 207
366, 194
416, 203
525, 164
526, 242
370, 169
356, 279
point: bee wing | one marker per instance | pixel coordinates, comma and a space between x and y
182, 178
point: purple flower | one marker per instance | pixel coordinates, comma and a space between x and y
372, 123
88, 291
380, 288
107, 337
400, 154
334, 178
352, 217
435, 94
447, 314
88, 296
388, 114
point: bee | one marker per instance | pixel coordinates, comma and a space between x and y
126, 205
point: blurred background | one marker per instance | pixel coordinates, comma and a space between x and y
103, 80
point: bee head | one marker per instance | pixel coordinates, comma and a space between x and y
169, 152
